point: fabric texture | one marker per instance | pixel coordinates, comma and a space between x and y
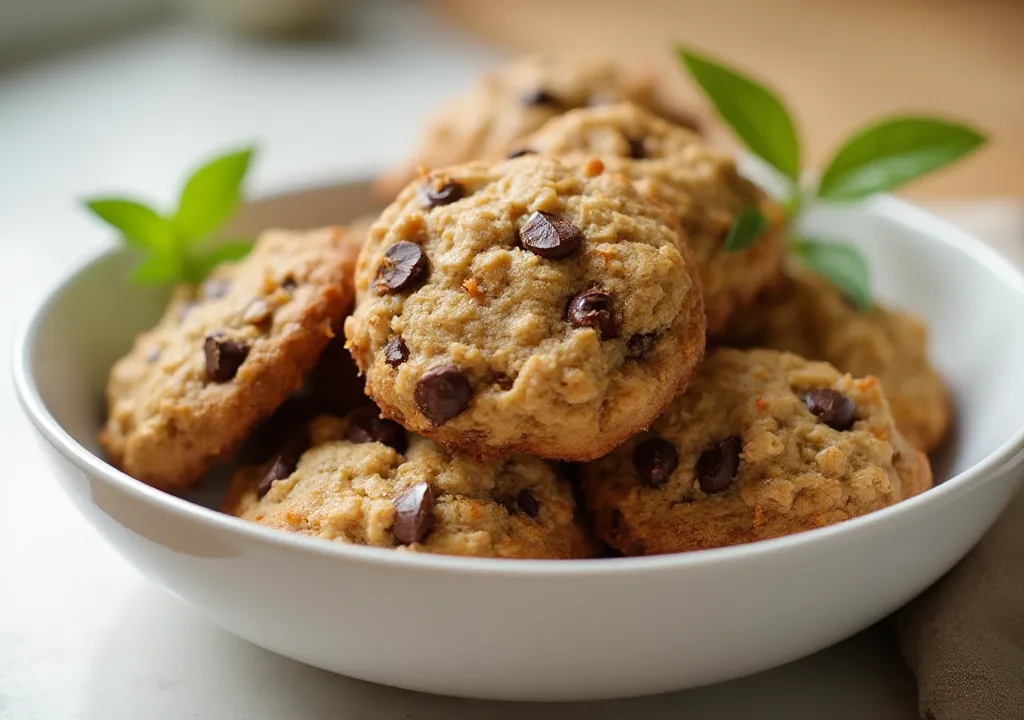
964, 636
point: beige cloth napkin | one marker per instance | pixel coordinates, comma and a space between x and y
964, 637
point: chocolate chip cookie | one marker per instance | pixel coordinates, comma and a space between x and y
523, 307
761, 444
512, 102
363, 479
225, 355
699, 183
807, 315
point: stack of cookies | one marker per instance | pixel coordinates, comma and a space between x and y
560, 358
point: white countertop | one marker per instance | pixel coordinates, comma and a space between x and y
82, 635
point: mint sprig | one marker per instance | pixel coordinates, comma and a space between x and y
880, 157
754, 112
750, 222
178, 247
842, 264
892, 152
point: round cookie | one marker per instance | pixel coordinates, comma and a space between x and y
807, 315
225, 355
700, 184
762, 444
525, 308
363, 479
513, 101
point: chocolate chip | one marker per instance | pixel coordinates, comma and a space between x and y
655, 460
185, 309
366, 425
640, 344
528, 503
540, 96
593, 308
636, 149
504, 382
256, 312
396, 352
286, 460
414, 514
520, 153
223, 357
832, 408
717, 465
550, 236
215, 288
289, 284
433, 195
442, 393
404, 265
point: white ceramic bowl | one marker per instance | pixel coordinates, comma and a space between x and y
544, 630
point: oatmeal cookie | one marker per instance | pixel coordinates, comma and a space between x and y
512, 102
699, 183
807, 315
762, 444
363, 479
525, 308
225, 355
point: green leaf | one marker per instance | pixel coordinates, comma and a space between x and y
892, 152
843, 265
753, 111
139, 225
211, 195
161, 267
201, 263
747, 227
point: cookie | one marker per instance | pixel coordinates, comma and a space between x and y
699, 183
362, 479
225, 355
525, 308
762, 444
809, 316
512, 102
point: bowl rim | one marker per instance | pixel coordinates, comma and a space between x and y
887, 206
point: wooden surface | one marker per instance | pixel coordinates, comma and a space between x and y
837, 63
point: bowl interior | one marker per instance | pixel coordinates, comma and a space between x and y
971, 298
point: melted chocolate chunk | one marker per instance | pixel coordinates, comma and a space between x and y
593, 308
223, 357
396, 352
433, 195
414, 514
442, 393
655, 460
286, 460
717, 465
832, 408
550, 236
404, 265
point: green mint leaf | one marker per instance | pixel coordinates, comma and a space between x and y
161, 267
211, 195
201, 263
753, 111
843, 265
747, 227
890, 153
140, 225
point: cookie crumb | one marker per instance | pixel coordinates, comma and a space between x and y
593, 167
472, 287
